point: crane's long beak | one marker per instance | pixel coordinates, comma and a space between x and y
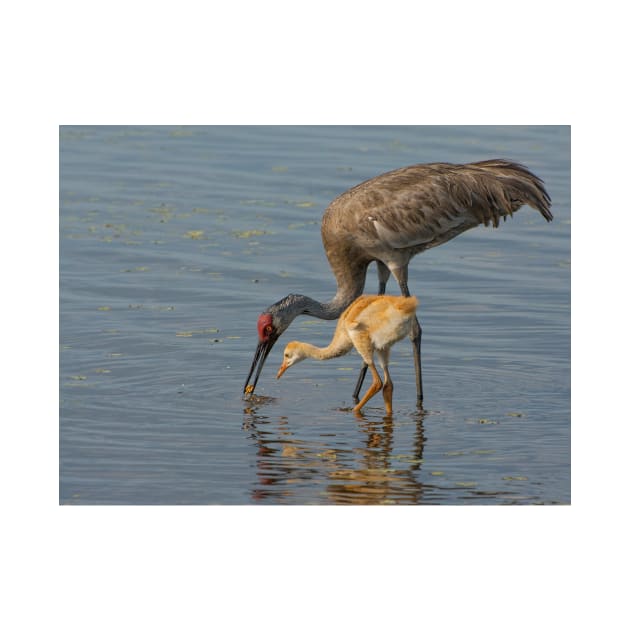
260, 356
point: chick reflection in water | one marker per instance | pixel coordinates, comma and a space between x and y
372, 324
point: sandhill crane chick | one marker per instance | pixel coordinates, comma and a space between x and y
372, 324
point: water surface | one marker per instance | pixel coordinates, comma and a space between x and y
174, 239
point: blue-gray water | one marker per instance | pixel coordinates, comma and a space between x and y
174, 239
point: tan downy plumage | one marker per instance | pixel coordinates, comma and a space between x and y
372, 324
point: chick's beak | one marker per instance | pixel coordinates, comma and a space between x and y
283, 368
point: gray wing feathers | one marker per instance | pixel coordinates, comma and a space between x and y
428, 203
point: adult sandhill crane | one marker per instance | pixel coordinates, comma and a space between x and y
372, 324
391, 218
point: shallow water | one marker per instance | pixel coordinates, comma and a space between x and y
174, 239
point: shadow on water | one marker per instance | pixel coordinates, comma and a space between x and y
367, 472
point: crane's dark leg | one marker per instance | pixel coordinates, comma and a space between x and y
383, 277
357, 389
416, 339
416, 334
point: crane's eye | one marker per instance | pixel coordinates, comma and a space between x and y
268, 328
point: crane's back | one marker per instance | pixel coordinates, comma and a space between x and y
424, 205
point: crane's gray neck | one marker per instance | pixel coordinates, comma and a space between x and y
288, 308
294, 304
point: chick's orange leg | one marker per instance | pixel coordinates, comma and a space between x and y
376, 387
388, 392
